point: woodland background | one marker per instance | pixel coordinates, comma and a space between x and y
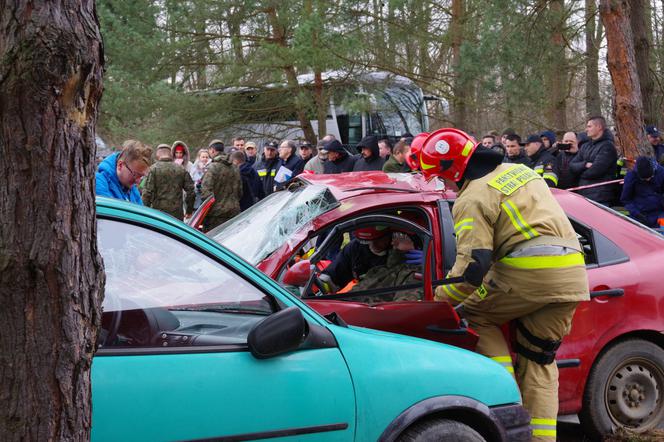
506, 63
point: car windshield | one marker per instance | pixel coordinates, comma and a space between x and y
267, 225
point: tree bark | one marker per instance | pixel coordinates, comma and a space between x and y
559, 70
622, 67
459, 93
642, 43
51, 274
593, 39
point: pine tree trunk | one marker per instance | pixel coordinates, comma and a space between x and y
593, 38
459, 94
51, 275
622, 67
642, 42
559, 70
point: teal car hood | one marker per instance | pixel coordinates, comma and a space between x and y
392, 372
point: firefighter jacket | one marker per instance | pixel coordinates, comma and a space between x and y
222, 180
512, 234
544, 163
164, 186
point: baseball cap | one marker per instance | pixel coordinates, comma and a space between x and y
652, 131
272, 145
534, 138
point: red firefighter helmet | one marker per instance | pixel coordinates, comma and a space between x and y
371, 233
413, 158
446, 153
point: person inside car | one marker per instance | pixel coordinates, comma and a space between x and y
376, 258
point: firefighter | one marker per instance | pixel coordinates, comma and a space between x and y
520, 259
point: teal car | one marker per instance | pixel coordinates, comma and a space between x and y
197, 345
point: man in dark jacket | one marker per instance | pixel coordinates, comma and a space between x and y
290, 164
267, 167
222, 180
541, 160
567, 150
338, 160
252, 190
514, 151
655, 138
643, 192
596, 162
370, 159
548, 138
165, 183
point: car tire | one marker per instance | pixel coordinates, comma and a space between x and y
438, 430
625, 389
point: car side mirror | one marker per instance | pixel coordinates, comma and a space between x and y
279, 333
298, 274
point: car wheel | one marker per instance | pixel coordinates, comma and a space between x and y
625, 389
437, 430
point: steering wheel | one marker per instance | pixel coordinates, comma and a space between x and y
115, 304
315, 279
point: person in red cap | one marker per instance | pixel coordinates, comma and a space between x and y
520, 259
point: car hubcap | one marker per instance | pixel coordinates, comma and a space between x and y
634, 394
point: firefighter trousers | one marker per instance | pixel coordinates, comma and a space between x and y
538, 382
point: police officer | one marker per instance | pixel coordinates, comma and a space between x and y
222, 180
542, 162
520, 259
165, 183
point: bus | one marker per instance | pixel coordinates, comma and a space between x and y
373, 103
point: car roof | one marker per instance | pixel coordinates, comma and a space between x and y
345, 185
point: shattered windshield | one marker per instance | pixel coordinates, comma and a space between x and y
264, 227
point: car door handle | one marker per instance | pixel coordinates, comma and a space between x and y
462, 330
609, 293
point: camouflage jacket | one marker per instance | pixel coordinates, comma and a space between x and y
222, 180
394, 273
164, 185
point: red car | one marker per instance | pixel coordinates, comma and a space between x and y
612, 363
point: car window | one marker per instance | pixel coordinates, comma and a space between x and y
598, 250
365, 270
161, 292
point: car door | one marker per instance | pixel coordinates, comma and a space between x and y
421, 318
174, 362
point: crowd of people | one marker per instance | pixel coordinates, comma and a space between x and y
238, 175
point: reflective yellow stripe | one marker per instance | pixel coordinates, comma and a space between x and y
464, 224
458, 295
467, 148
463, 221
539, 421
506, 362
552, 177
517, 220
450, 295
545, 262
262, 173
539, 432
539, 169
513, 178
274, 172
426, 166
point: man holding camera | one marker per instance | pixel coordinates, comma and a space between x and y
567, 150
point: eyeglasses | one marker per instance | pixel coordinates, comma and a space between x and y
134, 175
